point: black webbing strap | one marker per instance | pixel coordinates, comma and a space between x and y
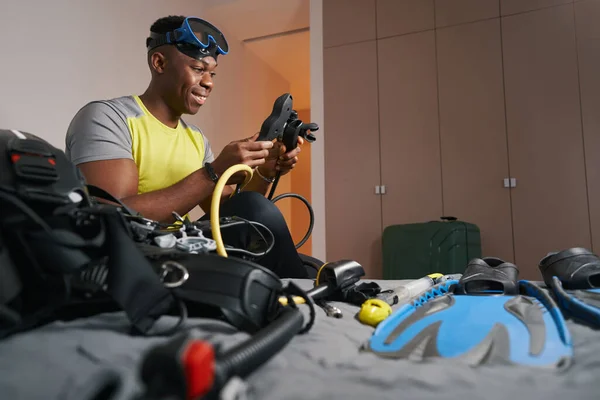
100, 193
132, 282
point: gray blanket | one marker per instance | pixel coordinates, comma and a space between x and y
65, 360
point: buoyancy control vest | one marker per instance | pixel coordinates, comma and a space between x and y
60, 249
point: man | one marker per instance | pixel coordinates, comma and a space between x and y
139, 149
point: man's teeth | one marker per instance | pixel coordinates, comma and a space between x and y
200, 97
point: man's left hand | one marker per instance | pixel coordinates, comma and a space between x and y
280, 160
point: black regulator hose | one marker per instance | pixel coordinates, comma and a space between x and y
310, 211
185, 367
274, 185
248, 356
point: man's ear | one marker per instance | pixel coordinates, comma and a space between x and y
158, 62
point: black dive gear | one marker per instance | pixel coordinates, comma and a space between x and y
52, 232
59, 246
283, 124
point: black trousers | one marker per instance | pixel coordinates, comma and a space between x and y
283, 259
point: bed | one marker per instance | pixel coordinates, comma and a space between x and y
64, 360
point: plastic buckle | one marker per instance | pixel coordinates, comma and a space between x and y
33, 160
34, 167
196, 243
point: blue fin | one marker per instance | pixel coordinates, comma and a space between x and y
526, 328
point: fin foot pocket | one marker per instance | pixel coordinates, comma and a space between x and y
573, 275
488, 276
577, 268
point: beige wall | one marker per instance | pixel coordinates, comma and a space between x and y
440, 101
95, 50
317, 149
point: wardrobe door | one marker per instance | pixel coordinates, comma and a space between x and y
351, 135
587, 15
520, 6
546, 156
454, 12
410, 143
473, 132
398, 17
348, 21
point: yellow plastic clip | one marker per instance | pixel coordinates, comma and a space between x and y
297, 300
373, 311
435, 275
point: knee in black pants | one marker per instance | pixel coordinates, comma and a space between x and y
283, 258
255, 207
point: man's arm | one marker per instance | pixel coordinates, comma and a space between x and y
120, 178
277, 161
99, 143
256, 184
157, 205
205, 204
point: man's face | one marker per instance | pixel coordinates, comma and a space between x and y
188, 81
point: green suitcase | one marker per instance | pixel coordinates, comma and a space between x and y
412, 251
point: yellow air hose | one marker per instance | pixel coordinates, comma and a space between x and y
216, 202
214, 214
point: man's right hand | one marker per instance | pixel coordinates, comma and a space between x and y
246, 151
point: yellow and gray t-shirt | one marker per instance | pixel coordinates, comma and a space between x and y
124, 128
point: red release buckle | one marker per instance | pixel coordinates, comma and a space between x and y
199, 365
35, 167
15, 157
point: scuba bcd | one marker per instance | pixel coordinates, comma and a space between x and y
52, 230
62, 250
64, 256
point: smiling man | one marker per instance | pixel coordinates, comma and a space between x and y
139, 149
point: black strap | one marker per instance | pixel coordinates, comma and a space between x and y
28, 322
100, 193
132, 282
211, 172
358, 294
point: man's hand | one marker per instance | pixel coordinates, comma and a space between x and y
246, 151
280, 161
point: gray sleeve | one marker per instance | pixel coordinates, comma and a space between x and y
98, 132
209, 156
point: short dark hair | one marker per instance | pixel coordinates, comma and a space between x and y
166, 24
